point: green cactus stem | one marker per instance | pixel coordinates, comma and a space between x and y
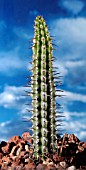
43, 91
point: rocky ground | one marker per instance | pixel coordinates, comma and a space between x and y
17, 154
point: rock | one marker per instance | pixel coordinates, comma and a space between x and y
18, 151
30, 166
80, 148
59, 167
57, 158
7, 148
42, 167
26, 155
63, 164
81, 143
3, 143
1, 155
15, 139
14, 150
65, 138
51, 166
4, 166
18, 154
71, 168
27, 137
73, 138
16, 162
7, 160
26, 147
17, 167
84, 145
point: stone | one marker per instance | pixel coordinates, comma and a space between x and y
7, 148
7, 160
51, 167
14, 150
84, 145
63, 164
30, 166
1, 155
65, 138
57, 158
59, 167
15, 139
71, 168
3, 143
27, 137
81, 143
4, 166
26, 155
18, 151
26, 147
80, 148
16, 162
73, 138
42, 167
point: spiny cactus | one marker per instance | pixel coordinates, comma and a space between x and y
43, 91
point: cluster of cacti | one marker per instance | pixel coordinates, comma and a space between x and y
43, 91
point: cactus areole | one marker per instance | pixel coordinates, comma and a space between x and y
43, 91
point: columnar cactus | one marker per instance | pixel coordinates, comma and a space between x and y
43, 91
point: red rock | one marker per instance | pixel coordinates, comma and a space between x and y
0, 161
42, 167
14, 150
51, 167
3, 143
1, 155
7, 160
27, 137
57, 158
63, 164
30, 166
73, 138
4, 167
15, 139
81, 143
16, 162
17, 167
8, 147
80, 148
84, 145
65, 138
24, 154
59, 167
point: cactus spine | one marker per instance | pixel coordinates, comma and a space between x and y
43, 91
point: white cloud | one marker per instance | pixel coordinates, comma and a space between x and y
75, 126
71, 96
74, 115
3, 130
74, 6
71, 64
10, 62
72, 36
71, 53
82, 135
23, 34
12, 97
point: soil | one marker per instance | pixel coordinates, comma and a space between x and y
17, 154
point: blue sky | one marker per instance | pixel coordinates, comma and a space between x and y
66, 20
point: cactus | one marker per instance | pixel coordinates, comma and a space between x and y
43, 91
